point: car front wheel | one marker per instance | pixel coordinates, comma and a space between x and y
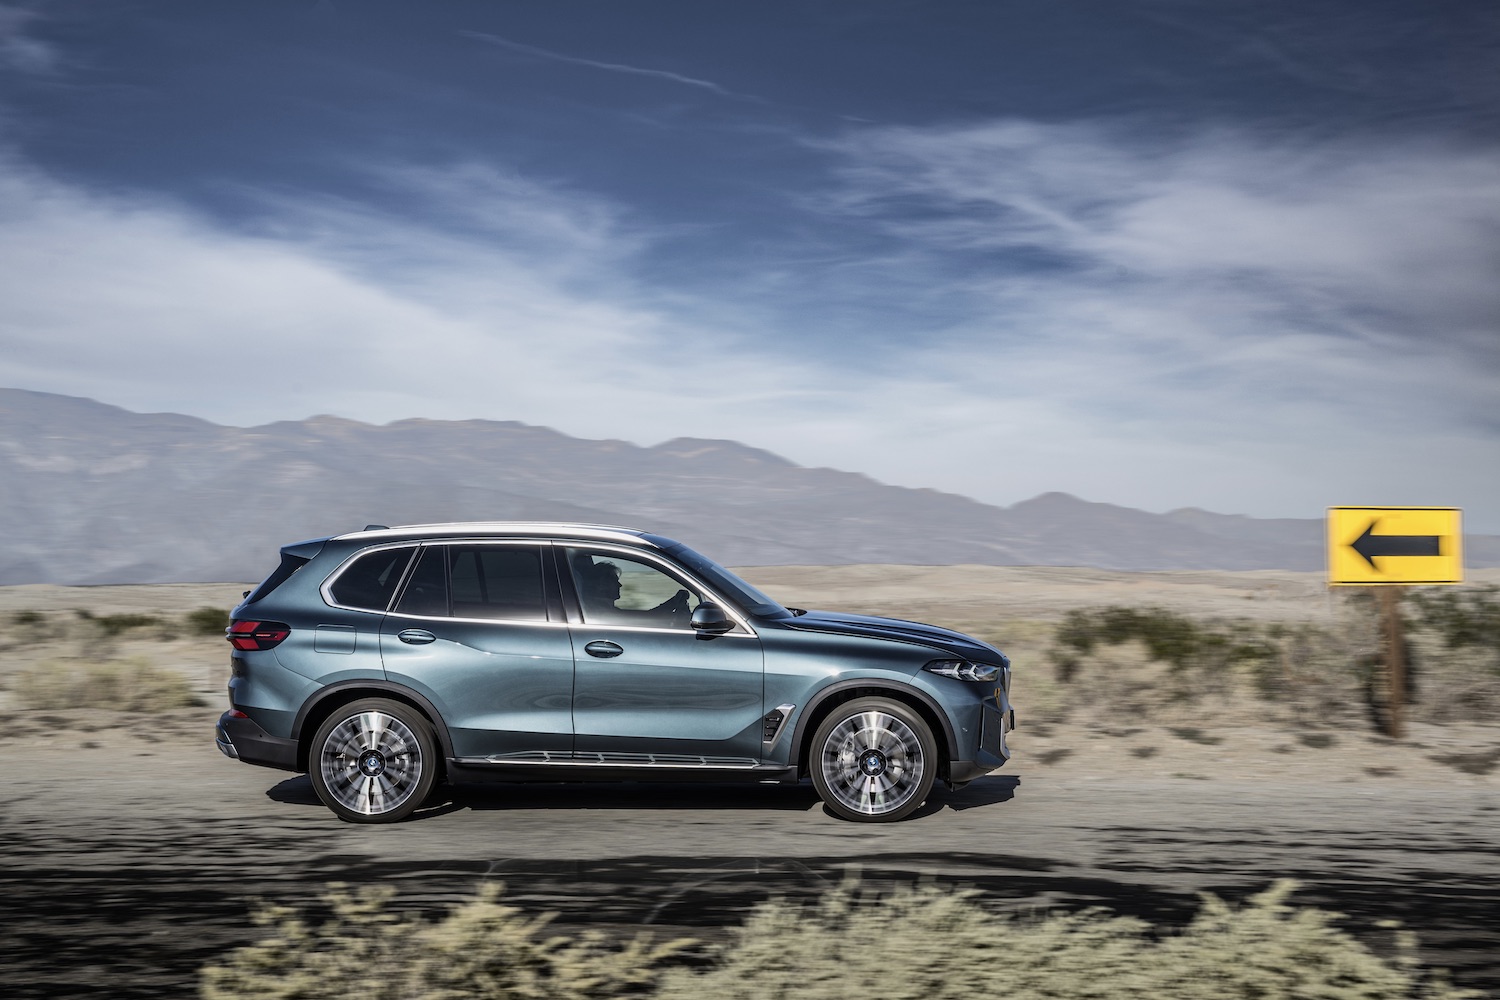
874, 760
374, 761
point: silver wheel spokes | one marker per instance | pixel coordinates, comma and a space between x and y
873, 763
371, 763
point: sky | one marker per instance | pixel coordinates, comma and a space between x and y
1243, 256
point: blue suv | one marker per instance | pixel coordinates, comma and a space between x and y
384, 661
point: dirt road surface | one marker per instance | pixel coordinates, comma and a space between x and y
131, 856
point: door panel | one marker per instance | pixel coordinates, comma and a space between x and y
667, 692
501, 687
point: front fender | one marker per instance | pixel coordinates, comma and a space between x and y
879, 688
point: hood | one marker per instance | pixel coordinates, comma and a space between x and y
941, 639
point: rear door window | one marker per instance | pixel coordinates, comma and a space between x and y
496, 581
493, 582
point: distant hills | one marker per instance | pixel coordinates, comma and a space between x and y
93, 494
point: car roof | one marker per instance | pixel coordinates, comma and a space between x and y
506, 529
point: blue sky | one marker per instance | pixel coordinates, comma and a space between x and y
1236, 255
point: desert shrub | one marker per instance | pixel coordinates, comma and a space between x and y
1453, 653
928, 943
1180, 642
29, 626
207, 621
1461, 618
113, 625
134, 685
480, 949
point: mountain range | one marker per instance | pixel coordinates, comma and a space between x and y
95, 494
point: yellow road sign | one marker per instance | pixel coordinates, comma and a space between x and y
1371, 546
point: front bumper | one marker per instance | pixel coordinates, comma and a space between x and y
993, 751
240, 738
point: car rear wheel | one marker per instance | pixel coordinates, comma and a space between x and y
874, 760
374, 761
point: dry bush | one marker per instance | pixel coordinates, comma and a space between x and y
923, 943
1454, 638
117, 624
481, 949
206, 621
29, 627
934, 944
133, 685
1159, 666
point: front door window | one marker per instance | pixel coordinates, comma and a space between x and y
619, 590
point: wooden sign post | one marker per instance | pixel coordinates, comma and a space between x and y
1386, 549
1393, 643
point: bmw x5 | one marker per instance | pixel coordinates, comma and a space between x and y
387, 661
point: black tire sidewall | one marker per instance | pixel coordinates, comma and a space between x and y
899, 710
426, 744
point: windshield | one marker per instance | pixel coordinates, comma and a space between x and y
737, 590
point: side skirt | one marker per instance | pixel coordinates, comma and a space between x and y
552, 766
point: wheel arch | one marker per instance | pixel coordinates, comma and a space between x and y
332, 698
831, 697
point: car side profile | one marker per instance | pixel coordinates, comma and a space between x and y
385, 661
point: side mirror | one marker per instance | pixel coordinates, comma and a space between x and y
711, 618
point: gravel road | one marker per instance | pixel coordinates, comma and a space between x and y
131, 856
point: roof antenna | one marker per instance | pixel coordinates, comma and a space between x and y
377, 527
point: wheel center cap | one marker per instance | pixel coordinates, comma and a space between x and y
872, 762
371, 763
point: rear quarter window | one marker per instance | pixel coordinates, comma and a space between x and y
370, 581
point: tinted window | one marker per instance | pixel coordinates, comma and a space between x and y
371, 580
618, 590
426, 592
496, 581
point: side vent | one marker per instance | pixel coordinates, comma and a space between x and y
772, 723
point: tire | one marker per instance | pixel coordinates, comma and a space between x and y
873, 760
374, 761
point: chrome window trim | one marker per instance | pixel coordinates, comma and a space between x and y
672, 569
419, 544
650, 556
529, 622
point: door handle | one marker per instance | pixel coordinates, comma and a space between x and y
603, 649
416, 636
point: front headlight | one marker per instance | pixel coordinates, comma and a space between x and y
965, 670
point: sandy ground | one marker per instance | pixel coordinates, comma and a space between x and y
132, 848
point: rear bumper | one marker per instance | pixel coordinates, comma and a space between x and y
240, 738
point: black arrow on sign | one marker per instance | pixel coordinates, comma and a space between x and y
1371, 545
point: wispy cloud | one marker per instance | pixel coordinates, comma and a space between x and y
18, 50
1213, 251
611, 67
1223, 321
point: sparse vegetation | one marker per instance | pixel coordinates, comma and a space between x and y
481, 949
1462, 618
133, 685
1300, 673
1176, 640
114, 625
207, 621
843, 947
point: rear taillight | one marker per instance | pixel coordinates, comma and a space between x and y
255, 635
